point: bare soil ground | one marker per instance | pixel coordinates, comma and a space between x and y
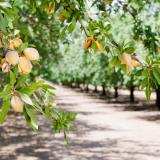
105, 130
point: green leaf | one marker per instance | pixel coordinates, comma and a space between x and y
63, 31
32, 87
144, 83
26, 98
23, 29
156, 75
4, 111
148, 93
17, 2
12, 78
4, 23
48, 86
38, 108
30, 118
52, 94
72, 116
48, 114
72, 25
5, 94
15, 71
22, 47
129, 50
21, 81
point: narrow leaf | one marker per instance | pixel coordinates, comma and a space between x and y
156, 75
26, 98
12, 78
30, 118
4, 111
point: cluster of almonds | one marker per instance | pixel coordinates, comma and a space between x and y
127, 59
89, 41
12, 59
130, 61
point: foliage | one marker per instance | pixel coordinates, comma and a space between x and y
133, 49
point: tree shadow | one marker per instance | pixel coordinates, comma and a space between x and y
154, 117
20, 141
122, 102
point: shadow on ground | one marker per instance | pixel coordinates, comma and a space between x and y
18, 142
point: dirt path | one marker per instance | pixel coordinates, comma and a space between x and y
104, 132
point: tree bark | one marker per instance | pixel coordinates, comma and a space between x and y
95, 88
115, 92
103, 90
87, 88
71, 85
158, 98
132, 98
78, 85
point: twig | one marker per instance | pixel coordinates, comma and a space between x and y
84, 30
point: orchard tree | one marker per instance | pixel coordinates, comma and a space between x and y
133, 49
20, 89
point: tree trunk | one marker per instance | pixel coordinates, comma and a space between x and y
132, 94
95, 88
158, 98
71, 85
78, 85
115, 92
103, 90
87, 88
